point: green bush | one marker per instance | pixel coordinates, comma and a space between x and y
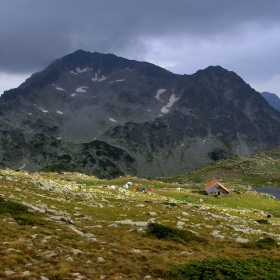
29, 219
258, 268
174, 234
266, 243
262, 221
12, 208
20, 213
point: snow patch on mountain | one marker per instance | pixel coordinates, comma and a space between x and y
59, 112
159, 92
112, 120
102, 78
96, 79
59, 88
73, 94
120, 80
79, 71
43, 110
81, 89
172, 100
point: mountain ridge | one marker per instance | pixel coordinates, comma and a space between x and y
272, 99
168, 123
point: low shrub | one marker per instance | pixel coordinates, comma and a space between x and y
266, 243
12, 208
174, 234
262, 221
227, 269
20, 213
29, 219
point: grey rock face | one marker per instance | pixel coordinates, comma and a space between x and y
108, 116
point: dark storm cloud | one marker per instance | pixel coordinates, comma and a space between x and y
183, 35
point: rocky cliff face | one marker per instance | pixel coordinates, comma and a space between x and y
162, 122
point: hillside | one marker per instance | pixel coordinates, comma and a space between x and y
164, 123
74, 226
260, 169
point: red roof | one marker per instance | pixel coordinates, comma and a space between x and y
213, 184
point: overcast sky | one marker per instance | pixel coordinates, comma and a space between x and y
182, 36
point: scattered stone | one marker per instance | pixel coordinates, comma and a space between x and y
9, 272
113, 225
241, 240
26, 273
69, 259
138, 230
152, 213
44, 278
89, 262
135, 251
141, 205
186, 253
100, 260
50, 254
216, 234
76, 252
12, 249
92, 239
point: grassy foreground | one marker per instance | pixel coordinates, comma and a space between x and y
74, 226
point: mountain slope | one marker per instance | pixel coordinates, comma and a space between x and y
168, 123
272, 99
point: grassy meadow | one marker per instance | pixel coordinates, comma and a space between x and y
74, 226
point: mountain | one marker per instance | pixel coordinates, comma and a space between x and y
272, 99
154, 122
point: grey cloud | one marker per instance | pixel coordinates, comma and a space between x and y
34, 33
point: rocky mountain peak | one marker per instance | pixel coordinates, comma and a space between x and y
166, 123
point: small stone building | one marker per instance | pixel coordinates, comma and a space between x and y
215, 188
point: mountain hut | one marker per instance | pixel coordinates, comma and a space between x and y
215, 188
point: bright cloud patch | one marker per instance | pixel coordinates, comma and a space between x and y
79, 71
59, 88
159, 92
172, 99
81, 89
59, 112
112, 120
